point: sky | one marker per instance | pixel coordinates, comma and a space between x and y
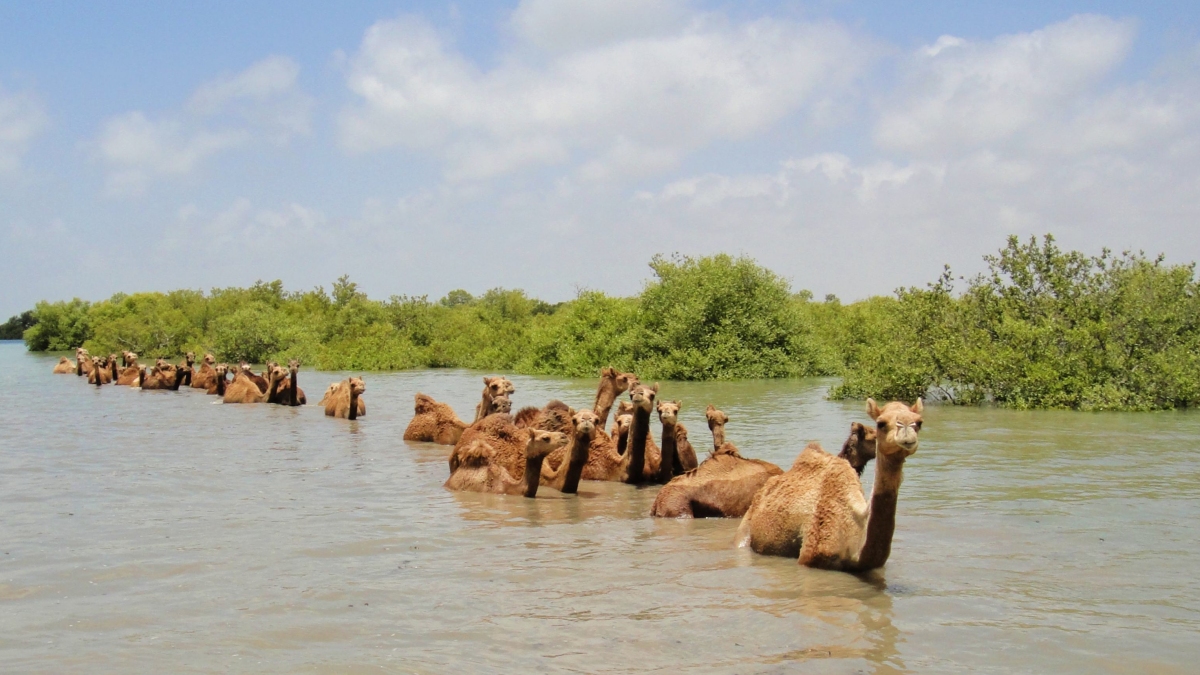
851, 147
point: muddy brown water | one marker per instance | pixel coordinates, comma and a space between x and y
156, 532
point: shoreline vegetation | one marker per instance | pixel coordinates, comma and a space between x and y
1041, 328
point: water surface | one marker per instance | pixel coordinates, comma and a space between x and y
156, 532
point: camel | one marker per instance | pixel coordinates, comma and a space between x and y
64, 366
128, 358
259, 381
203, 377
101, 373
817, 511
479, 471
189, 362
635, 465
243, 389
131, 374
217, 382
289, 392
716, 424
344, 402
332, 390
685, 454
434, 422
83, 362
111, 363
723, 486
492, 387
505, 443
565, 478
163, 376
613, 383
670, 463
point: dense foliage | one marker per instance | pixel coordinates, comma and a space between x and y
1042, 328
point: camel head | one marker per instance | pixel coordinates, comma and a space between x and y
293, 365
500, 404
542, 443
209, 359
357, 386
80, 351
221, 369
715, 417
642, 396
131, 358
622, 423
623, 408
668, 411
161, 363
63, 359
621, 381
859, 447
585, 421
897, 425
190, 358
244, 367
112, 358
498, 386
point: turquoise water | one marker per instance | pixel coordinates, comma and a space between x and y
156, 532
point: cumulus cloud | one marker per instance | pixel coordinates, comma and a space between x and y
626, 99
262, 102
22, 118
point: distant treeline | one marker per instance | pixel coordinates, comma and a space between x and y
1042, 328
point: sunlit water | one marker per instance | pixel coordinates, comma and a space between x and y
157, 532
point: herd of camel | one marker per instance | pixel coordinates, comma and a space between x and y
275, 384
815, 511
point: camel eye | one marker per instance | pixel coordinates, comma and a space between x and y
882, 425
918, 425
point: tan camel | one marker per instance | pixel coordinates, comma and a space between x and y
101, 373
243, 389
613, 383
565, 478
344, 402
434, 422
817, 510
505, 443
189, 362
492, 387
669, 463
163, 376
64, 366
218, 381
331, 392
634, 465
259, 381
723, 486
204, 375
479, 471
131, 373
83, 362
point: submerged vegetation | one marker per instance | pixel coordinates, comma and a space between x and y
1042, 328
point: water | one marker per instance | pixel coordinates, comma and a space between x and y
156, 532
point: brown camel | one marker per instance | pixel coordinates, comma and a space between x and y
565, 478
101, 372
203, 377
505, 442
434, 422
479, 470
131, 373
189, 361
634, 465
344, 402
817, 510
684, 452
243, 389
723, 486
163, 376
259, 381
64, 366
218, 381
289, 391
613, 383
716, 424
670, 464
492, 387
83, 362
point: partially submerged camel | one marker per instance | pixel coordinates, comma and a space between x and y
635, 465
672, 463
244, 389
189, 362
289, 391
83, 362
331, 392
101, 372
218, 382
684, 452
259, 381
479, 470
723, 486
163, 376
493, 387
344, 402
206, 373
131, 374
505, 443
64, 366
434, 422
613, 383
817, 511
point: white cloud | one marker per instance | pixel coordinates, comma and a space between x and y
262, 102
21, 120
626, 104
571, 25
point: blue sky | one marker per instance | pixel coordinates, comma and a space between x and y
553, 146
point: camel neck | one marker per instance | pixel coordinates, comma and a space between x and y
293, 385
571, 470
533, 475
113, 369
639, 430
352, 414
622, 442
666, 467
605, 395
718, 433
221, 381
881, 515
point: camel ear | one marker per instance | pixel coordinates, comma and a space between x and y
607, 372
654, 388
857, 429
487, 380
872, 409
678, 404
917, 407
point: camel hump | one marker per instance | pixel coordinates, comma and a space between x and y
424, 404
477, 453
813, 456
525, 416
